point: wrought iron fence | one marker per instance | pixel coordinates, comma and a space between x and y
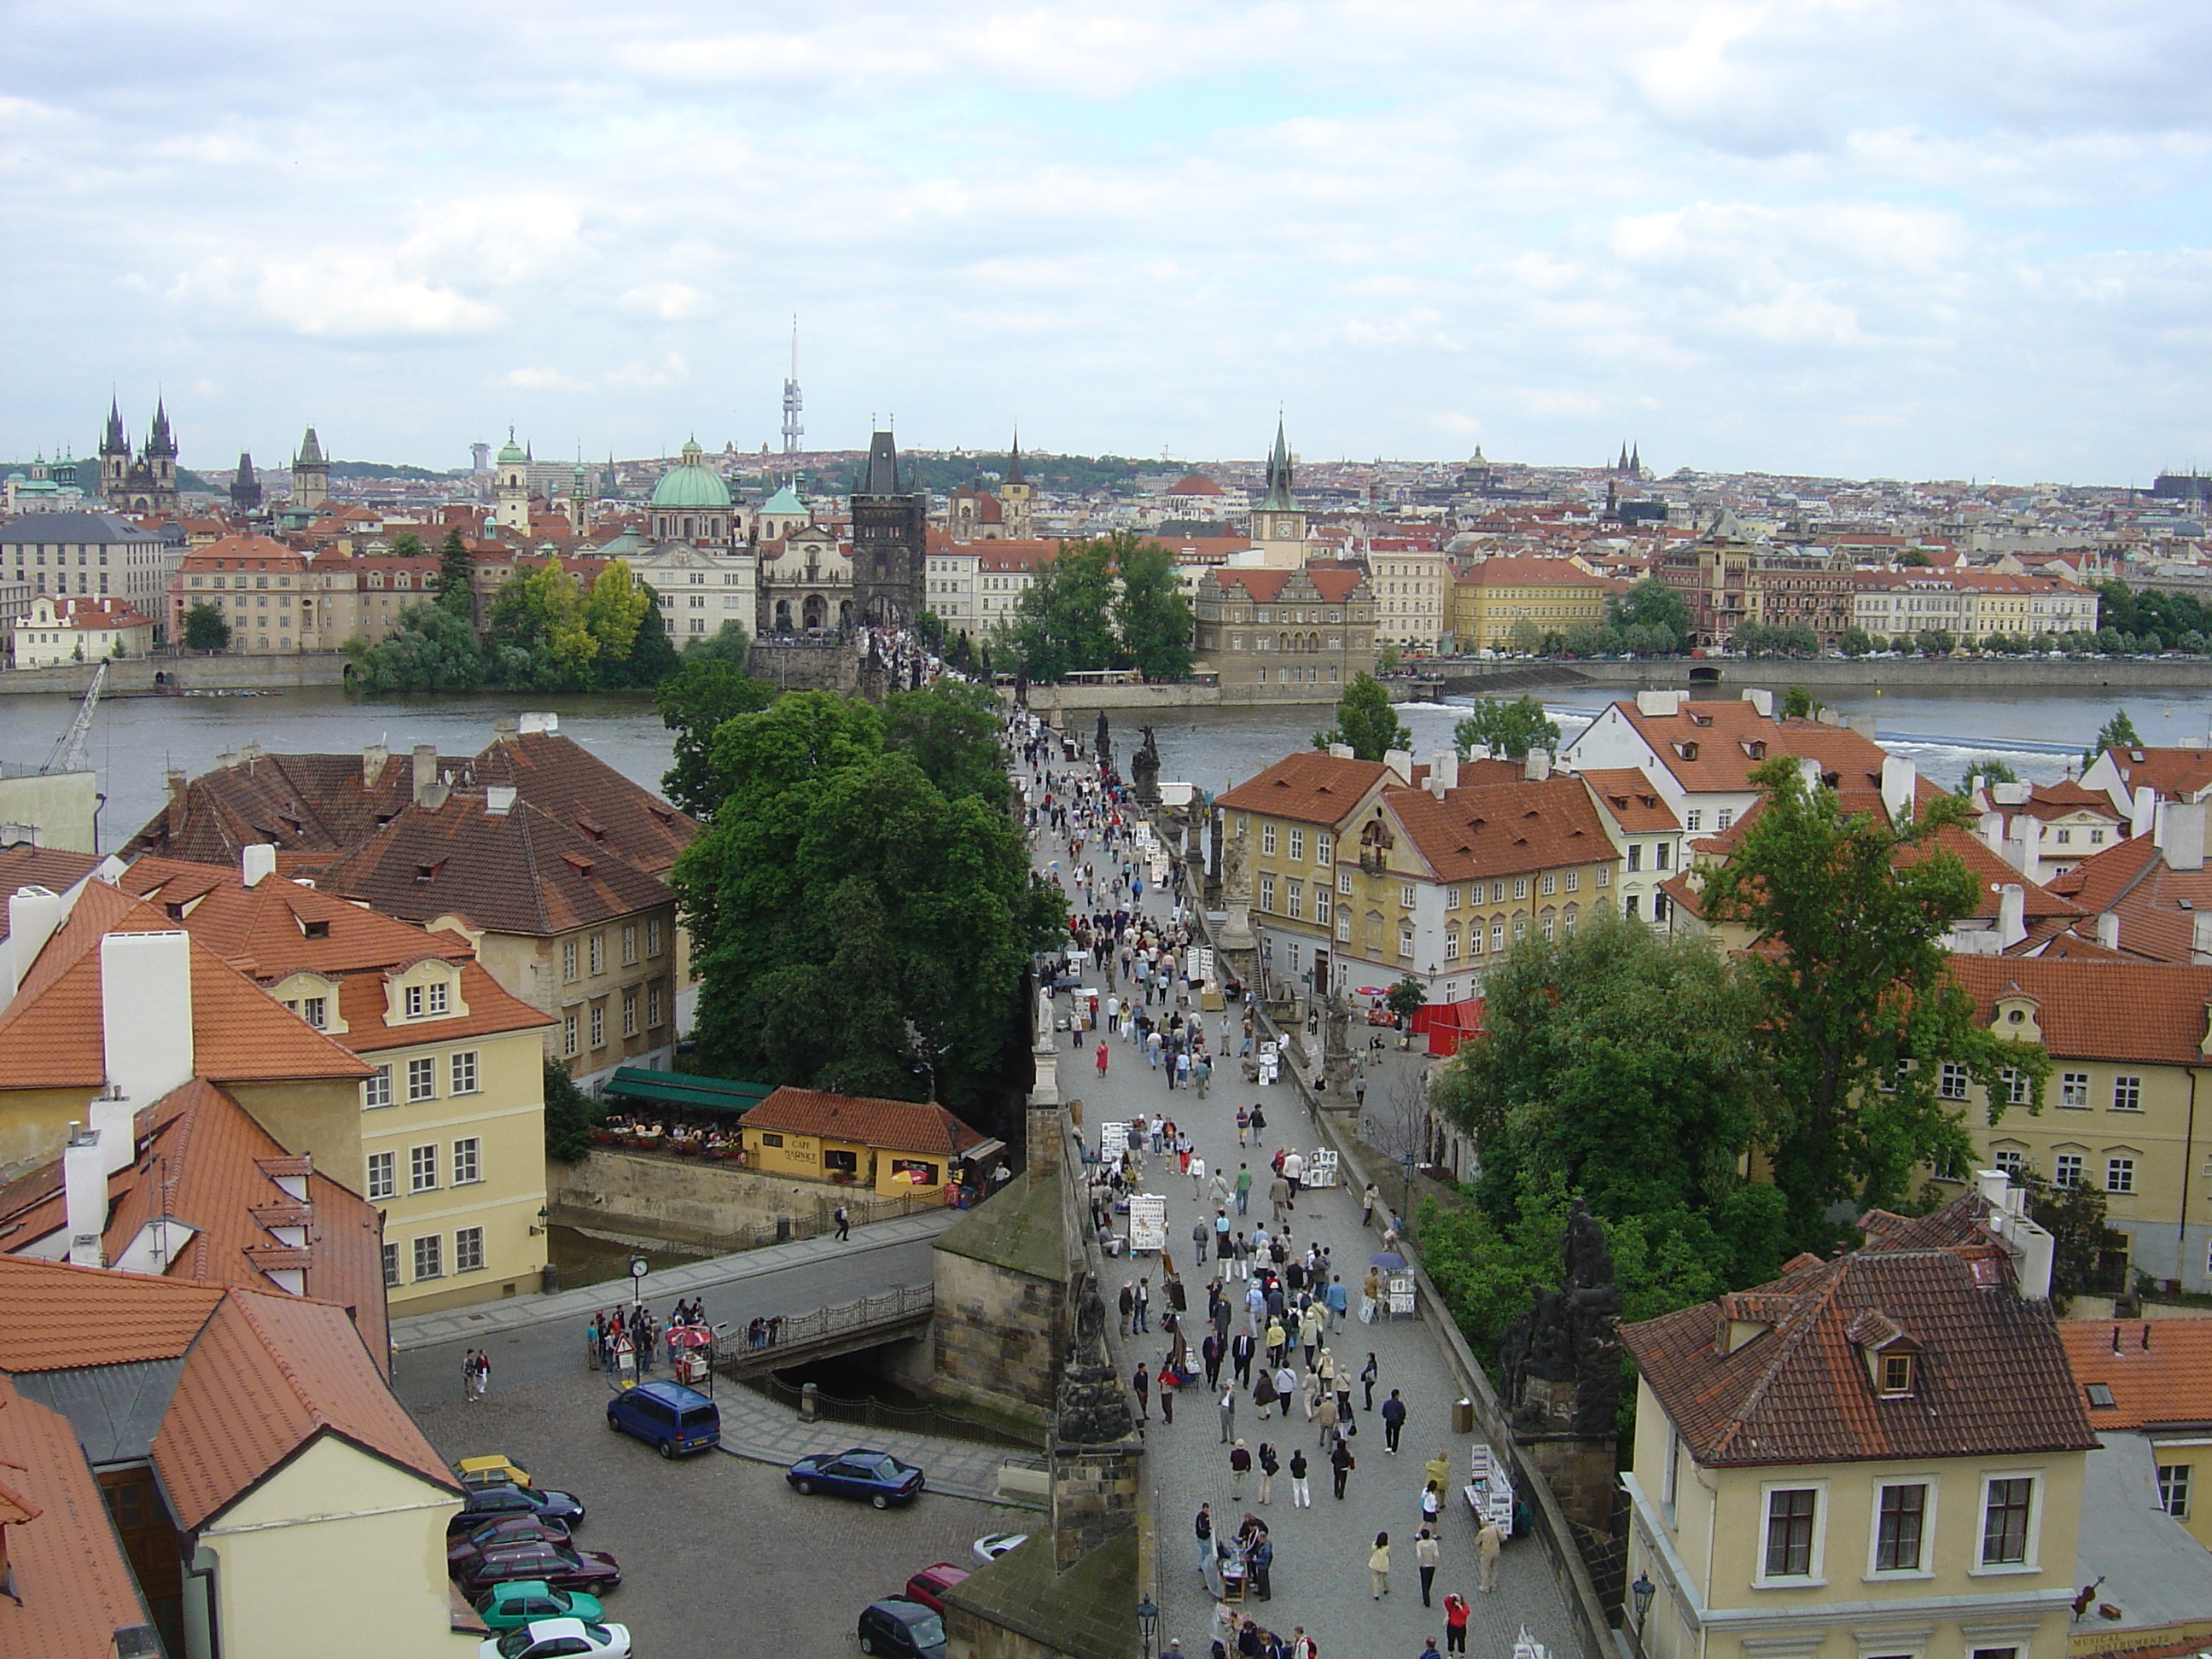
878, 1414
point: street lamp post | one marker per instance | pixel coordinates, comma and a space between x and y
1147, 1616
1643, 1590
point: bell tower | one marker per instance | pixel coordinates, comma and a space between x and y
310, 473
1017, 499
114, 454
511, 488
1278, 523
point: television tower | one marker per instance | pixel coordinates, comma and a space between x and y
793, 402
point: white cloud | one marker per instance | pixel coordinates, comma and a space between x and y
672, 303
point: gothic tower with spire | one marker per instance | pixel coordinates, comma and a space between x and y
245, 486
890, 527
148, 484
1017, 499
1278, 523
310, 473
114, 455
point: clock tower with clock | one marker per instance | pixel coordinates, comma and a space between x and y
1279, 525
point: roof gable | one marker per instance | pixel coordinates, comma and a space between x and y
893, 1124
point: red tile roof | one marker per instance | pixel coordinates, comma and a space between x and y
54, 1316
2154, 1013
1503, 828
566, 781
52, 1036
897, 1126
2172, 772
1991, 1376
1636, 805
203, 1160
2158, 1370
1713, 747
71, 1589
1311, 787
267, 1374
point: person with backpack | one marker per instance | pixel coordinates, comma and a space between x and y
1269, 1464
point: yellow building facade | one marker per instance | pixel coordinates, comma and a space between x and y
1487, 601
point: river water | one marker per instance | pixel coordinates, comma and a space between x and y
136, 739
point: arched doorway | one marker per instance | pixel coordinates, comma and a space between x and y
783, 616
844, 613
814, 611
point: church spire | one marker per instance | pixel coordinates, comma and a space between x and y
1278, 475
115, 442
1014, 461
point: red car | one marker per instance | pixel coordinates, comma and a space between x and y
929, 1586
506, 1531
561, 1565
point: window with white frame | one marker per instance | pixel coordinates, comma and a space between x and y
1344, 883
1324, 847
599, 1025
1792, 1513
2066, 1170
1951, 1084
1549, 885
1344, 926
422, 1169
468, 1161
2127, 1094
381, 1174
1519, 887
464, 1072
1320, 902
1298, 847
1405, 939
422, 1078
2174, 1481
1451, 942
2015, 1085
468, 1250
629, 943
1267, 838
599, 953
629, 1013
1405, 895
2119, 1174
653, 1007
1574, 881
567, 1034
428, 1251
2008, 1514
1452, 897
568, 960
653, 936
1901, 1528
390, 1254
1266, 892
1694, 820
2074, 1088
376, 1088
2012, 1160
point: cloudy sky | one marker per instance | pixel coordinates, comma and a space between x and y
1966, 238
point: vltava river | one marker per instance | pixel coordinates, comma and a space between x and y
136, 739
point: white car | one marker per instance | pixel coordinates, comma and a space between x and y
990, 1547
559, 1638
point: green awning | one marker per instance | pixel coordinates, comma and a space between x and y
696, 1094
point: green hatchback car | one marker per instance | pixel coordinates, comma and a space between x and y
510, 1606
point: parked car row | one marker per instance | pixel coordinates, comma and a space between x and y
512, 1551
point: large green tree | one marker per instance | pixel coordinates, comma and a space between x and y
949, 729
2118, 732
1365, 720
1511, 729
1857, 1015
456, 575
1650, 604
429, 649
204, 628
1618, 1064
694, 703
1063, 623
1151, 613
651, 657
856, 929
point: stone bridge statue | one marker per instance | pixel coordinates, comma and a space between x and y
1145, 770
1561, 1359
1091, 1407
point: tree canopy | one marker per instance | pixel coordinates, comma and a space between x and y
2118, 732
1511, 729
1365, 720
1063, 622
1652, 605
205, 629
456, 575
429, 649
1154, 618
694, 702
1857, 1015
857, 927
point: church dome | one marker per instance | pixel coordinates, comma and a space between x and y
511, 454
784, 504
691, 484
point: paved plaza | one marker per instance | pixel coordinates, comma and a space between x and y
1320, 1577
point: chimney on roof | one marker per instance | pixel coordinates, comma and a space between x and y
2108, 930
502, 728
531, 724
1399, 761
1443, 771
1537, 765
1341, 751
2035, 1249
374, 758
257, 862
84, 1193
1900, 782
2181, 835
1660, 704
499, 798
34, 913
426, 770
2143, 811
1761, 701
178, 783
146, 1011
2012, 914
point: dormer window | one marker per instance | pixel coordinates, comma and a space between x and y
427, 1001
1896, 1375
315, 929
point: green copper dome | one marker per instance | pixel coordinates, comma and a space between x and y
511, 454
784, 503
691, 484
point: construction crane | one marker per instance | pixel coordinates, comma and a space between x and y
68, 753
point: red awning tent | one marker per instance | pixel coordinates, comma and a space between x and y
1448, 1025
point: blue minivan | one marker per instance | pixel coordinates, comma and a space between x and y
668, 1417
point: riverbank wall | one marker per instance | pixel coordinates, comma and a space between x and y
136, 676
1914, 673
1059, 703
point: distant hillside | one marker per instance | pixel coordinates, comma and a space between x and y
384, 470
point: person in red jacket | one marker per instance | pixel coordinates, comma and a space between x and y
1455, 1612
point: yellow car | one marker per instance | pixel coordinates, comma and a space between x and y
491, 1471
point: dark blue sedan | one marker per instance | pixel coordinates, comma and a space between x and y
497, 1503
859, 1472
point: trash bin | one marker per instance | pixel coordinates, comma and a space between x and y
548, 1279
809, 1402
1462, 1416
